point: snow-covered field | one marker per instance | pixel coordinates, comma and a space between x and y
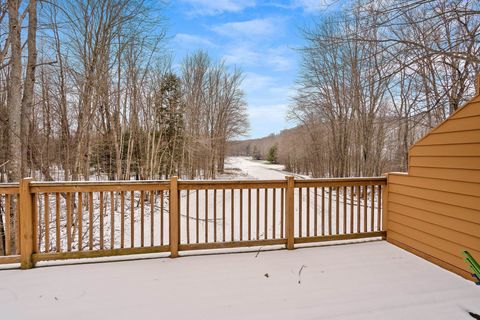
257, 169
358, 281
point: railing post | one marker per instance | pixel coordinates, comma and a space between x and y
289, 210
26, 224
173, 205
385, 207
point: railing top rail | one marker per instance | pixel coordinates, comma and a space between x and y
146, 185
92, 186
100, 183
9, 188
230, 184
338, 182
9, 185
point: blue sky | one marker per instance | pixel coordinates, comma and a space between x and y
260, 37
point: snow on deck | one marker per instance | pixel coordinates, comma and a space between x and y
372, 280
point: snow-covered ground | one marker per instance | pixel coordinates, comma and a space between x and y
258, 169
358, 281
373, 280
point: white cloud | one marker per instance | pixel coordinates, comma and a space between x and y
213, 7
274, 112
257, 82
241, 55
249, 54
189, 39
255, 27
312, 6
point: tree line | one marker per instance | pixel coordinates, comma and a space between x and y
374, 78
87, 90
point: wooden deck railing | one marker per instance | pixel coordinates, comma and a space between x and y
65, 220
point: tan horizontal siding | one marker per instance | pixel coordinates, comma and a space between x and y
434, 195
446, 239
472, 189
471, 108
466, 149
446, 162
459, 124
434, 210
454, 260
470, 215
446, 174
461, 272
459, 137
444, 250
452, 223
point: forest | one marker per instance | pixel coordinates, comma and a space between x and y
87, 91
373, 80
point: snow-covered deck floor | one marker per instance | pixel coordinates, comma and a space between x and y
372, 280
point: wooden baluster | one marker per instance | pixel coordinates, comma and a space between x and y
206, 216
315, 211
330, 210
323, 211
179, 220
101, 219
122, 219
282, 211
352, 197
35, 224
300, 211
223, 215
188, 217
274, 209
112, 219
308, 212
46, 210
232, 214
249, 214
161, 216
90, 221
79, 220
152, 218
214, 215
344, 210
8, 234
241, 214
196, 215
197, 205
372, 208
132, 219
69, 220
337, 211
265, 236
365, 209
142, 218
17, 225
258, 214
359, 190
379, 208
57, 222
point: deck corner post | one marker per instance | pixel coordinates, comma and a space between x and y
174, 215
26, 224
385, 208
289, 211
